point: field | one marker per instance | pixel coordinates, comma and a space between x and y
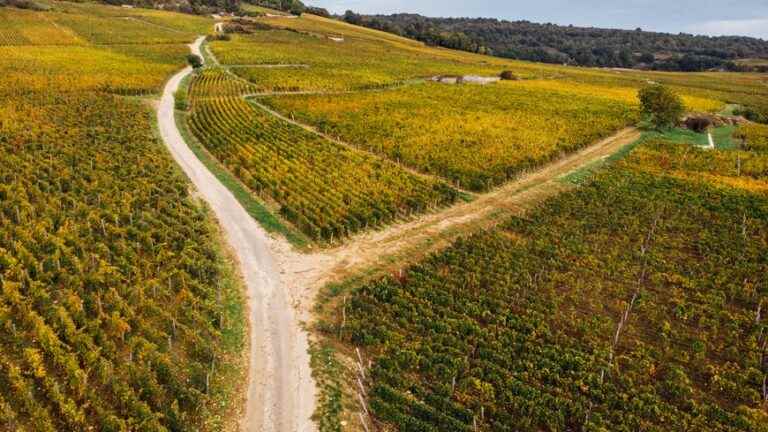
326, 190
83, 23
118, 310
635, 300
354, 64
82, 47
372, 91
478, 137
631, 303
118, 69
755, 137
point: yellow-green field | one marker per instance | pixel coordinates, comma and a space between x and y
115, 296
332, 66
478, 137
326, 190
86, 23
372, 90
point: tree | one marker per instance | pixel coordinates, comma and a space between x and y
662, 106
195, 61
508, 76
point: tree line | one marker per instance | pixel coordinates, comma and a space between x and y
580, 46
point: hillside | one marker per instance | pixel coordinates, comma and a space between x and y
631, 303
118, 309
579, 46
325, 218
512, 326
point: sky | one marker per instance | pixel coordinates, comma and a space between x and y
724, 17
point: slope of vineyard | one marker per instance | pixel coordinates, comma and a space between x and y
476, 136
327, 190
118, 310
635, 302
755, 137
368, 57
120, 69
331, 66
81, 24
479, 137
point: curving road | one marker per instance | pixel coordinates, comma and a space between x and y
281, 391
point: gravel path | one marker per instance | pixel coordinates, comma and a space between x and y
281, 391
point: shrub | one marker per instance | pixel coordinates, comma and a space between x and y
508, 76
195, 61
698, 124
662, 106
753, 114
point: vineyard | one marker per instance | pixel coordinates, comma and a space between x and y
635, 302
325, 189
326, 65
91, 206
67, 58
478, 137
755, 137
118, 310
83, 24
118, 69
368, 58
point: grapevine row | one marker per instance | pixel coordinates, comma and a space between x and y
326, 190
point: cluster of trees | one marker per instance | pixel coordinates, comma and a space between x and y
636, 302
580, 46
23, 4
295, 7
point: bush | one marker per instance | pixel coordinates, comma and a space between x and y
508, 76
195, 61
662, 106
698, 124
318, 11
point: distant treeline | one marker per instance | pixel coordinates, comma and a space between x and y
295, 7
571, 45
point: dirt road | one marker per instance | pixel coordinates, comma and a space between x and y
282, 283
404, 243
281, 391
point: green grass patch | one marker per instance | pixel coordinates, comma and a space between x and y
226, 390
723, 137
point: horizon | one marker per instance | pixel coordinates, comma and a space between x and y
709, 18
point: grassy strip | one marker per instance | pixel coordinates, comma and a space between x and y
327, 372
208, 61
722, 137
580, 175
227, 393
337, 402
254, 207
